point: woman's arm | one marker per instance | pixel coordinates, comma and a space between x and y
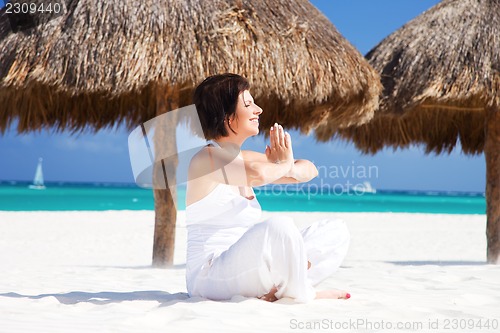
301, 171
224, 165
221, 167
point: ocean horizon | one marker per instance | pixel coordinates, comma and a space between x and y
99, 196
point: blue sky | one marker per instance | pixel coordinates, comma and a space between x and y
103, 156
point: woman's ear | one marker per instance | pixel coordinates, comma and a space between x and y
231, 122
232, 118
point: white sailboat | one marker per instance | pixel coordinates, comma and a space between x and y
38, 180
365, 187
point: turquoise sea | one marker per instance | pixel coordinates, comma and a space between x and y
16, 196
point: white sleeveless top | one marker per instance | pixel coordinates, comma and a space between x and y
214, 223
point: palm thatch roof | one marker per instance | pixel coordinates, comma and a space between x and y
441, 73
101, 63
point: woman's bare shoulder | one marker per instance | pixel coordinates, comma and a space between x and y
201, 155
208, 160
200, 159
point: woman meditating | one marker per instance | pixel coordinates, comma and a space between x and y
230, 251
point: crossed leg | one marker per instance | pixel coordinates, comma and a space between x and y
329, 237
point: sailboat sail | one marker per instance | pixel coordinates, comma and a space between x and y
38, 180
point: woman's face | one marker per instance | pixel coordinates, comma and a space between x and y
245, 122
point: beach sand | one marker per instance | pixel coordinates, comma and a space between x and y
90, 272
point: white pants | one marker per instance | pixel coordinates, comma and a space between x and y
275, 253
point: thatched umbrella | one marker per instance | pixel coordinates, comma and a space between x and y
441, 77
106, 62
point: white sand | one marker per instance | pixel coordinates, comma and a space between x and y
90, 272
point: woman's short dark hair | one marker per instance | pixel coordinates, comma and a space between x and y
216, 99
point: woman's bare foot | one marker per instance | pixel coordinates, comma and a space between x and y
269, 297
333, 294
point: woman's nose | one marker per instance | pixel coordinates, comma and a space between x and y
259, 109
